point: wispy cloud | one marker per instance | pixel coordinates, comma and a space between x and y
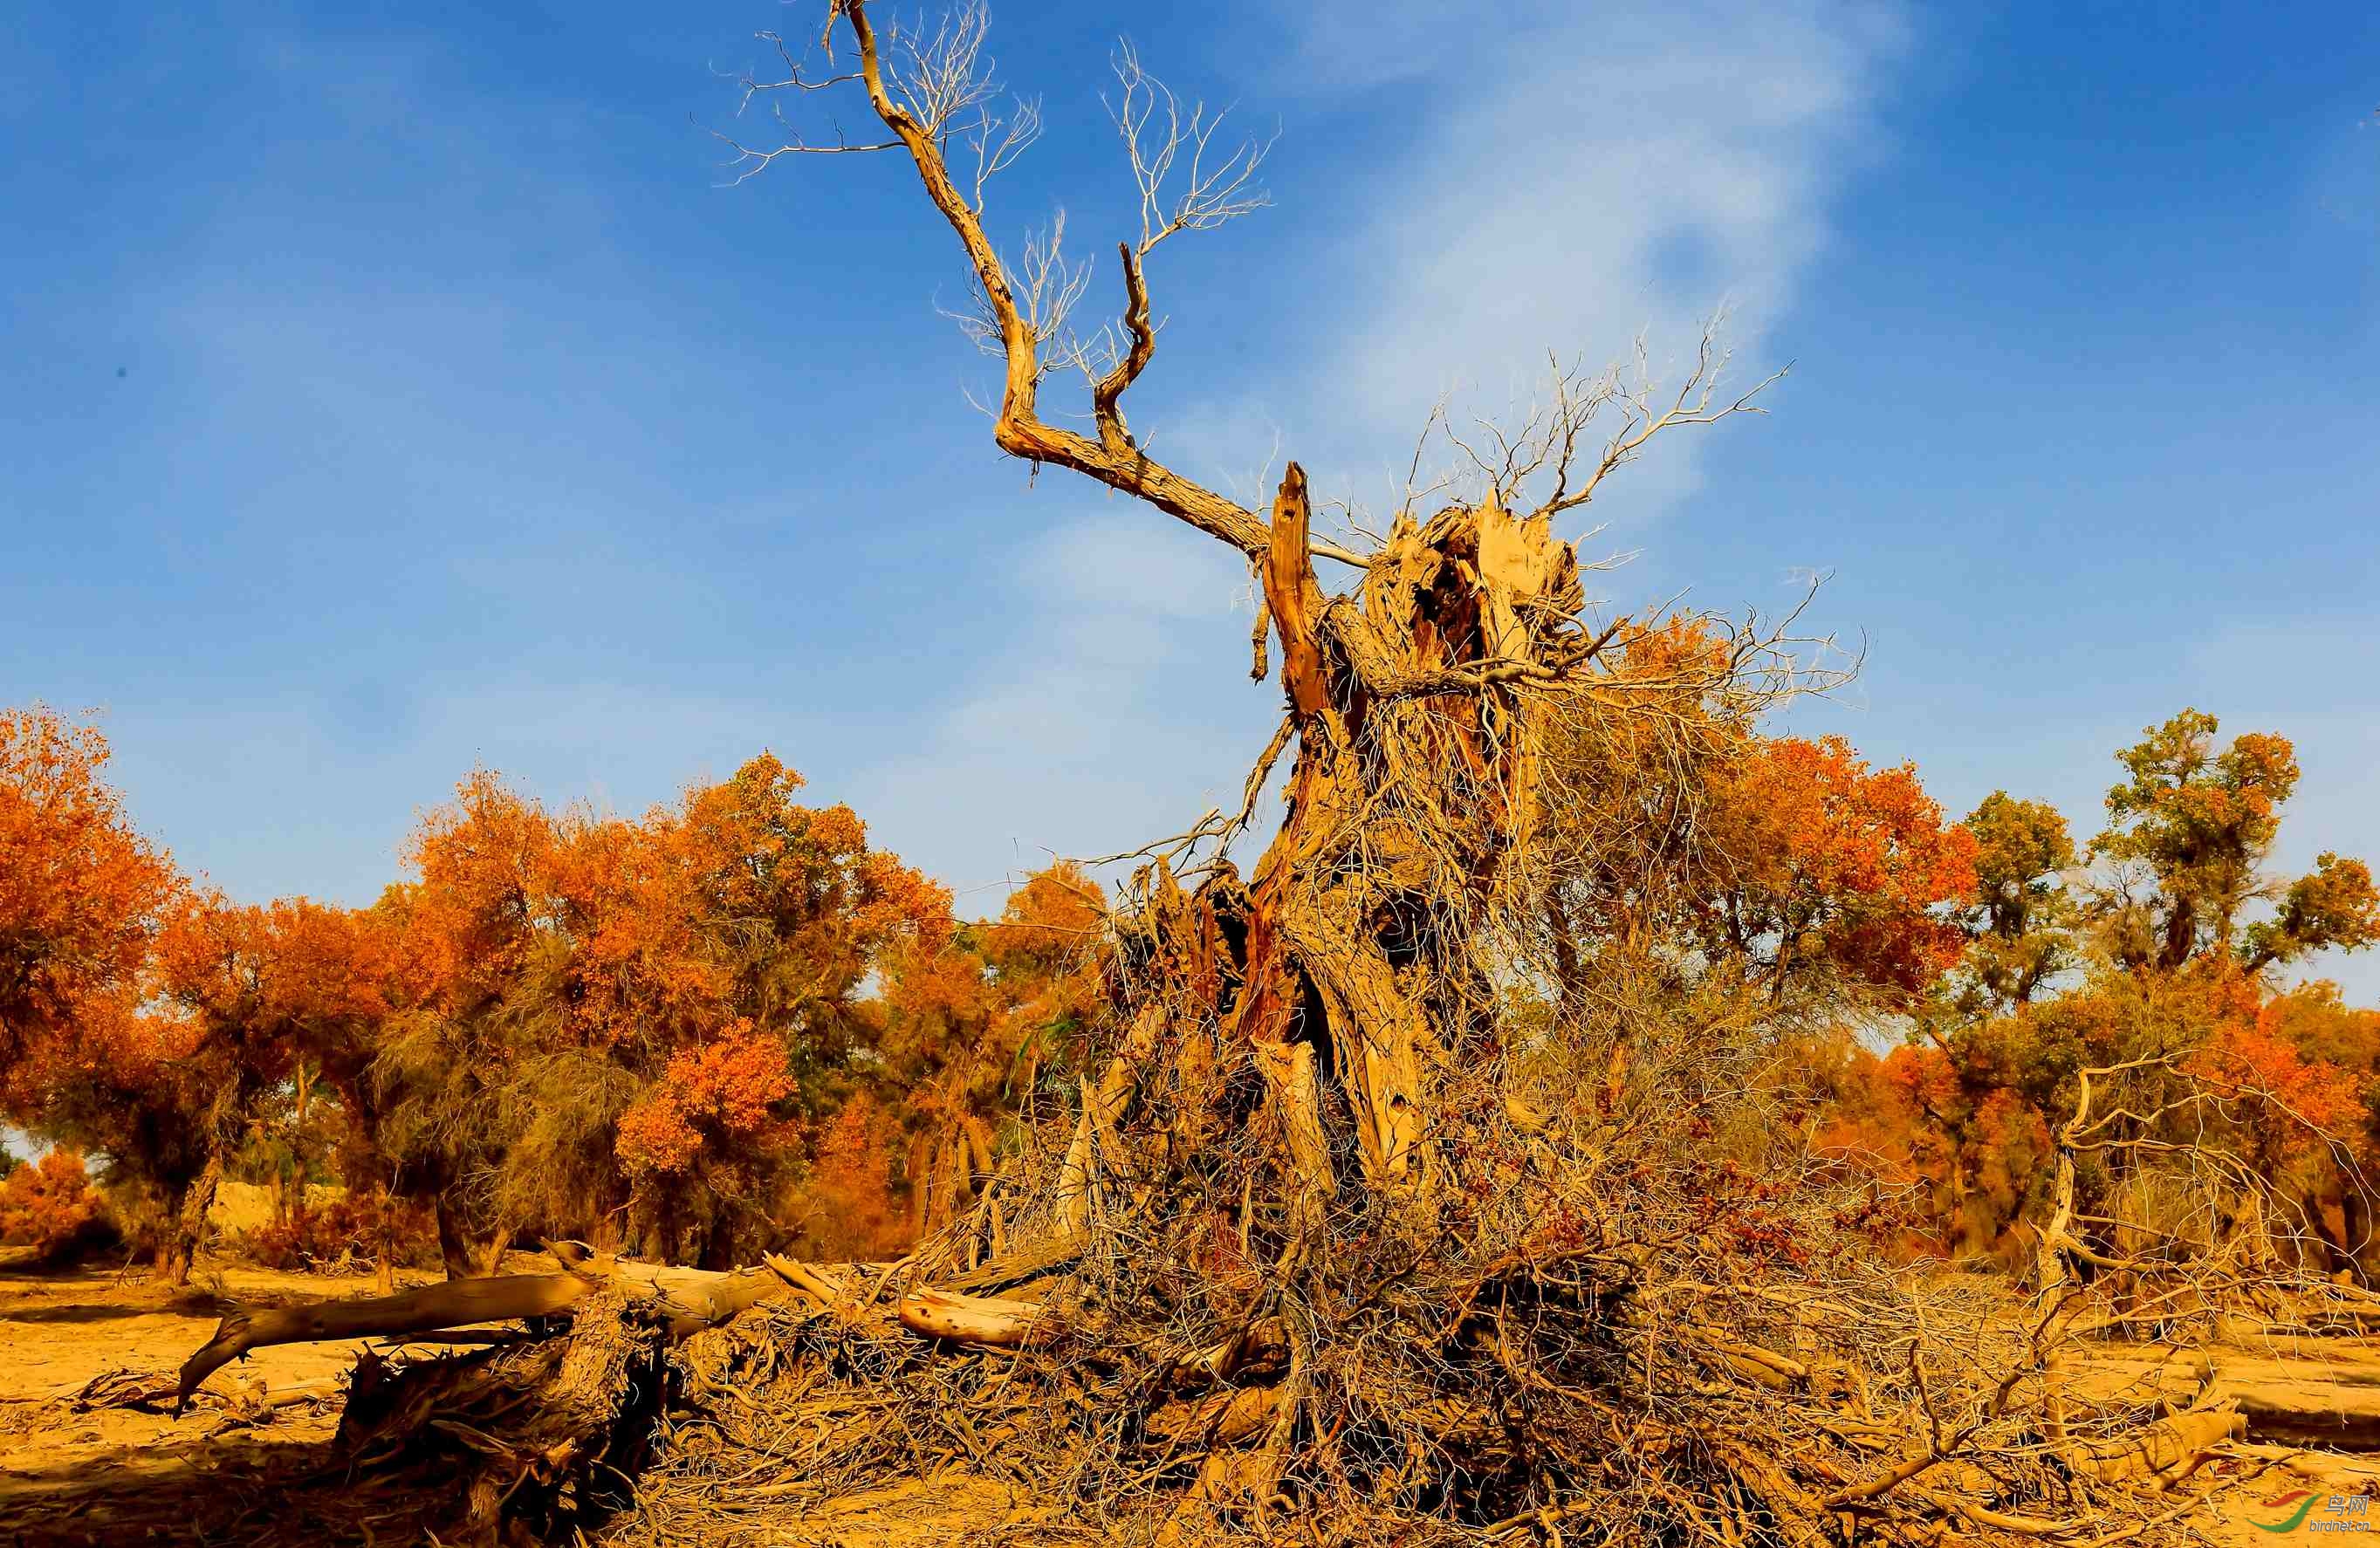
1566, 179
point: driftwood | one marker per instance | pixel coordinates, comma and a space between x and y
969, 1319
686, 1300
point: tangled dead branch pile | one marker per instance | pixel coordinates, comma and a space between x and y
1356, 1223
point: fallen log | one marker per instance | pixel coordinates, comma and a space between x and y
690, 1300
456, 1303
2167, 1447
2314, 1392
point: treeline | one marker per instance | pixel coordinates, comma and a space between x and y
724, 1025
2160, 943
1929, 990
732, 1024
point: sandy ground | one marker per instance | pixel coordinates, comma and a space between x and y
105, 1476
96, 1476
59, 1331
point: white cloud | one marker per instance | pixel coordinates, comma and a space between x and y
1566, 179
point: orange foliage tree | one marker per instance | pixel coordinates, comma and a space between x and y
619, 1027
83, 898
1688, 845
81, 893
50, 1205
562, 1022
731, 1018
976, 1027
255, 992
1834, 871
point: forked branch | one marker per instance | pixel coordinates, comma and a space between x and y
932, 92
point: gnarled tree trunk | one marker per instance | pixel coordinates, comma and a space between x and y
184, 1229
466, 1257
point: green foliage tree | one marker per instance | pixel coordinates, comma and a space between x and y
2157, 957
2023, 919
2187, 837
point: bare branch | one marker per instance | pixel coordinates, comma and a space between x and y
998, 140
942, 80
1578, 403
927, 87
943, 77
1051, 286
1157, 136
751, 161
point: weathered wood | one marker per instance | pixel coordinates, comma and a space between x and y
690, 1300
1294, 599
1078, 1175
971, 1319
693, 1298
2166, 1446
1288, 1077
1378, 1033
455, 1303
2311, 1392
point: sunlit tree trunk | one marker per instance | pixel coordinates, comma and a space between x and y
185, 1224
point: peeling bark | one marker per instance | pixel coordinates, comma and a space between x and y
969, 1319
1288, 1072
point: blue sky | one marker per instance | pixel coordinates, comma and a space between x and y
392, 388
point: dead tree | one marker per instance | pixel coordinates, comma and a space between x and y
1362, 1207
